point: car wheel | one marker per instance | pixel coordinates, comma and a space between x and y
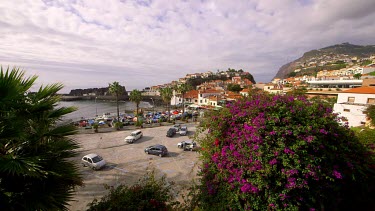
160, 155
83, 165
141, 136
93, 168
146, 152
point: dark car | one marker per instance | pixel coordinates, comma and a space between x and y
160, 150
171, 132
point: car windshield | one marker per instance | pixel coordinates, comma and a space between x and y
97, 159
183, 129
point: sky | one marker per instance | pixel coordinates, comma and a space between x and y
141, 43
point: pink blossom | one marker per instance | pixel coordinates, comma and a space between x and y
337, 174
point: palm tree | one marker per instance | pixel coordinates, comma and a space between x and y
166, 95
183, 88
116, 89
36, 171
136, 97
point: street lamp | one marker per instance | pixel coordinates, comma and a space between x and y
153, 105
96, 108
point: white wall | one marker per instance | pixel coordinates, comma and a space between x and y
353, 111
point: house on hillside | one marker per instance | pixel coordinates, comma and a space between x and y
245, 92
190, 97
352, 103
203, 96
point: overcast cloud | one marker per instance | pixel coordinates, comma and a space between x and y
90, 43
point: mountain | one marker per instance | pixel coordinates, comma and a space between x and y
331, 57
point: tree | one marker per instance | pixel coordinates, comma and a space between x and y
183, 88
370, 110
166, 95
136, 97
282, 152
357, 76
234, 87
116, 89
292, 74
36, 170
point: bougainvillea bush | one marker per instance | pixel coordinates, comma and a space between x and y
282, 152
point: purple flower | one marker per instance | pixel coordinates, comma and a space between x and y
337, 174
323, 131
272, 133
292, 172
282, 196
273, 161
288, 151
309, 139
256, 147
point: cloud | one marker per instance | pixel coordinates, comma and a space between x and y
90, 43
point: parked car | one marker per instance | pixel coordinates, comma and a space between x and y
171, 132
187, 145
183, 131
177, 127
93, 161
135, 135
160, 150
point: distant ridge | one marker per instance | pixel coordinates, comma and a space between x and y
335, 50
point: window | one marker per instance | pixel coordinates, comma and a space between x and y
351, 99
363, 123
346, 110
371, 101
201, 101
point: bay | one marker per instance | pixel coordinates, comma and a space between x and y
90, 108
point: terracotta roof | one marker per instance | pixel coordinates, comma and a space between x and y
245, 91
213, 98
191, 94
210, 91
361, 90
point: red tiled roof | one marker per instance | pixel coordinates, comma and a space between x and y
210, 91
192, 94
361, 90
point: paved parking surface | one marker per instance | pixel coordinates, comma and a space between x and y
127, 163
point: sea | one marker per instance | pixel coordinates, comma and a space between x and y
87, 109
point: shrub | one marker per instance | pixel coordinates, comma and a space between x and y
118, 125
338, 89
148, 194
282, 152
371, 114
139, 123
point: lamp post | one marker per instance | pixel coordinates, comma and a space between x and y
153, 105
96, 107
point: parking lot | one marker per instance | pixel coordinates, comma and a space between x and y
127, 163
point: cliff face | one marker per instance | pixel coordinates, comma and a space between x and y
340, 52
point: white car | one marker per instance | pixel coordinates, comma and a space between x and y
135, 135
93, 161
187, 145
183, 131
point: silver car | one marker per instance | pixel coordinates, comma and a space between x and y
93, 161
183, 131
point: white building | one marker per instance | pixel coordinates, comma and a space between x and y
352, 103
203, 96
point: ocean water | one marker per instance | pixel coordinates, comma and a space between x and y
90, 108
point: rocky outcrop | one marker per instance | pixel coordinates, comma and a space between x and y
93, 92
